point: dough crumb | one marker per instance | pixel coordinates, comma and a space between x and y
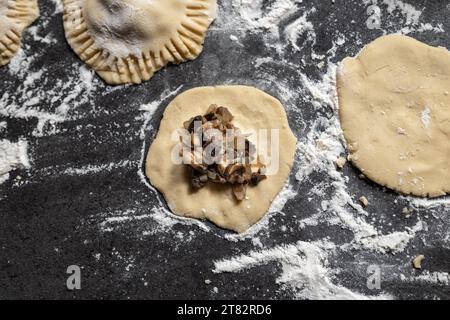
407, 212
207, 281
417, 262
401, 131
340, 162
364, 201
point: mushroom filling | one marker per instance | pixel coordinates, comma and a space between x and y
217, 151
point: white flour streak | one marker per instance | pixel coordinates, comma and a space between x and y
164, 219
421, 203
266, 21
93, 169
300, 27
19, 64
433, 278
391, 243
259, 19
58, 6
282, 198
12, 156
304, 268
122, 217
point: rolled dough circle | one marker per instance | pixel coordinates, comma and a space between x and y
394, 104
252, 109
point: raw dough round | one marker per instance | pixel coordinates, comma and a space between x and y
394, 100
127, 41
15, 16
252, 109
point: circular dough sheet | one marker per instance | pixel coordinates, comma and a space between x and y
252, 109
15, 16
394, 100
127, 41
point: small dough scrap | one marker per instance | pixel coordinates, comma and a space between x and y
417, 262
394, 106
127, 41
253, 110
15, 17
364, 201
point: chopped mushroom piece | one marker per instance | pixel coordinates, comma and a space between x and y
364, 201
239, 191
233, 155
257, 178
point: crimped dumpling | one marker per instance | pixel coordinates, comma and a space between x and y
15, 17
127, 41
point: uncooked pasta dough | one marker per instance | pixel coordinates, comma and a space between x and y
252, 110
15, 16
127, 41
394, 100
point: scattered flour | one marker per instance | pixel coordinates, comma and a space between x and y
433, 278
391, 243
304, 270
12, 156
58, 6
300, 27
93, 169
268, 19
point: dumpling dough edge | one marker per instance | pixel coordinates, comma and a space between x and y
382, 164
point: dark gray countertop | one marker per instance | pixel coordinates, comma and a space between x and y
85, 145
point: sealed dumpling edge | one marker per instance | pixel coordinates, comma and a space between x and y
15, 17
128, 41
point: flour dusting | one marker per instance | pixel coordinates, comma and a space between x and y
304, 270
12, 156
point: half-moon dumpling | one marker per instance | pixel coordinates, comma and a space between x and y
127, 41
15, 16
